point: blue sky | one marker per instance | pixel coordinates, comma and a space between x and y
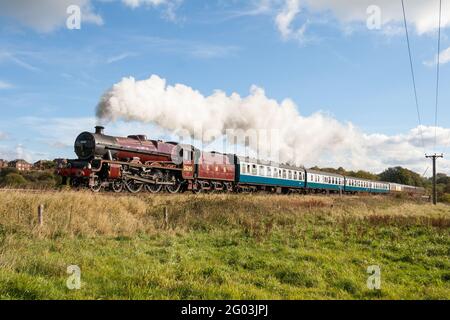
319, 55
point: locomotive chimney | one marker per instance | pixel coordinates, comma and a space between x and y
99, 129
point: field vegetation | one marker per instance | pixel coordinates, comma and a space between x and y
222, 247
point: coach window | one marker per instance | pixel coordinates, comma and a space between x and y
243, 169
295, 175
261, 171
254, 170
269, 171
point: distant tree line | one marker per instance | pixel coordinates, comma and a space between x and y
11, 177
402, 176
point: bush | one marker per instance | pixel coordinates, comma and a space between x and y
5, 171
13, 179
445, 198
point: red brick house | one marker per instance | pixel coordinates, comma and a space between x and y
20, 165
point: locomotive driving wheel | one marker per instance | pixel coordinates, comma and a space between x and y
97, 186
174, 188
133, 186
117, 186
155, 188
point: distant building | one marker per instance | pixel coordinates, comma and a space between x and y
3, 163
20, 165
59, 162
40, 165
43, 165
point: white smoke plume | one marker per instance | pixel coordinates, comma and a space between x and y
317, 139
180, 108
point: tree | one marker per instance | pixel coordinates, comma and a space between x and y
365, 175
402, 176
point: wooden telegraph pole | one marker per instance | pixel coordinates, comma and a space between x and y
434, 157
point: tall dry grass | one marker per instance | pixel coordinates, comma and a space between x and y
86, 214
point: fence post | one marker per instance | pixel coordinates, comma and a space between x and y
166, 217
41, 214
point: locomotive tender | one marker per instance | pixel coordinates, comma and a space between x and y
135, 163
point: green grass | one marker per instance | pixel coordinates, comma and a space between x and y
223, 247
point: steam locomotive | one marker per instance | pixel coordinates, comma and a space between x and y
135, 163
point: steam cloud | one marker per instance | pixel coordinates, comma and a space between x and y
182, 109
317, 139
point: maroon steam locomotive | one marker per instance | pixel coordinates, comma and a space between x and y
136, 163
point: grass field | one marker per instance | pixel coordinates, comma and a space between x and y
222, 247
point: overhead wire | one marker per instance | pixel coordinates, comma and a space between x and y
413, 76
437, 75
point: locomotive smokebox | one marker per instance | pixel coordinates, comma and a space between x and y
99, 130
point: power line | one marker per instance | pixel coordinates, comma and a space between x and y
437, 75
413, 76
425, 172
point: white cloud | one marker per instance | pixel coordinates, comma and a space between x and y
285, 18
9, 56
120, 57
3, 136
137, 3
423, 15
169, 5
5, 85
444, 57
318, 139
47, 15
185, 47
16, 152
